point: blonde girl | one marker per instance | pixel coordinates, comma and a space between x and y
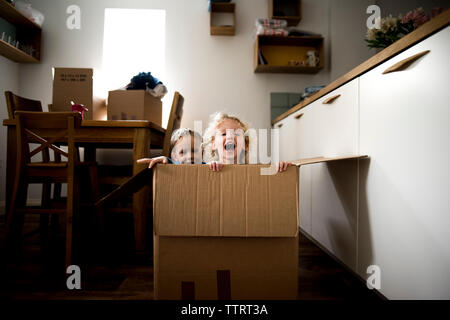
226, 141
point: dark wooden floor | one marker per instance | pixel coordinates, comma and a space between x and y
121, 274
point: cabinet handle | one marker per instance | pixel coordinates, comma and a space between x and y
331, 99
405, 63
298, 116
280, 125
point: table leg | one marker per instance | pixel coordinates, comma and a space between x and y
141, 149
90, 153
10, 165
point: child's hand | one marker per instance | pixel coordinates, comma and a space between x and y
215, 166
282, 166
152, 161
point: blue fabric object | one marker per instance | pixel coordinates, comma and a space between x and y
313, 89
142, 81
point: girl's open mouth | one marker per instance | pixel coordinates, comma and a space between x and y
229, 146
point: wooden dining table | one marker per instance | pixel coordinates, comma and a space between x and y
138, 135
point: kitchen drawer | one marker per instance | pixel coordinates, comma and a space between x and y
287, 138
336, 122
305, 139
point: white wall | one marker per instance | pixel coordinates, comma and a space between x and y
212, 72
347, 32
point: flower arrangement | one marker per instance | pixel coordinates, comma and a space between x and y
392, 29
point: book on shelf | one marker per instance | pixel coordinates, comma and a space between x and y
261, 58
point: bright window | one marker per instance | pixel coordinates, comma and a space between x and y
133, 42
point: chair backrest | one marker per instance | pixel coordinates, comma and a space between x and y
16, 103
176, 113
46, 128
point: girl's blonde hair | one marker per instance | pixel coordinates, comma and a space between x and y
208, 138
180, 133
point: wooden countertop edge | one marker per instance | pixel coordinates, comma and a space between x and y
108, 124
427, 29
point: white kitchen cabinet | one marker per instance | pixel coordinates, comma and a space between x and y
334, 185
296, 142
334, 208
287, 138
305, 142
305, 139
336, 122
305, 199
391, 210
404, 195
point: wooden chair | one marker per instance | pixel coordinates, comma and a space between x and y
176, 113
119, 174
15, 103
133, 184
45, 128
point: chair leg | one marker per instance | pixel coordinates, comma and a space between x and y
44, 218
57, 191
69, 217
57, 185
14, 223
72, 198
95, 196
43, 230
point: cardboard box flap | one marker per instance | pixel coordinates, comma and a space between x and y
192, 200
301, 162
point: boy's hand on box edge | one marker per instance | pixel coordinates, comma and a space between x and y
215, 166
152, 161
283, 165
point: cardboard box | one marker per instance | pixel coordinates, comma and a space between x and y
226, 235
134, 105
76, 84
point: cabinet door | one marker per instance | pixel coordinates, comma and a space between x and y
305, 119
287, 138
334, 208
336, 121
404, 215
304, 214
334, 185
305, 140
295, 143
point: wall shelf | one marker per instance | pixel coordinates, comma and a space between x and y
28, 34
222, 9
289, 10
278, 51
14, 54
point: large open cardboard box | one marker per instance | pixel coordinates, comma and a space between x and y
76, 84
231, 234
134, 105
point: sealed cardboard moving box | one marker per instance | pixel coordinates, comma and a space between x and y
134, 105
226, 235
76, 84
